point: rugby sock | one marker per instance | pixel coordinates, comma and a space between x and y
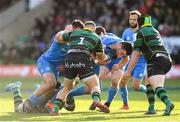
58, 104
162, 94
142, 88
124, 95
42, 99
33, 99
77, 91
96, 96
17, 96
112, 94
150, 96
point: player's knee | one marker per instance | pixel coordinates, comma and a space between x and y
50, 83
135, 87
115, 84
95, 89
122, 84
136, 84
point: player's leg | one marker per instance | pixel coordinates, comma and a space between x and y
61, 96
88, 75
18, 100
124, 92
151, 98
80, 90
161, 92
49, 78
93, 84
116, 77
138, 75
156, 76
70, 101
70, 75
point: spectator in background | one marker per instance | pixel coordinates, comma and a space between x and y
111, 14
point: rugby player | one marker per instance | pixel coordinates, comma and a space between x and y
149, 43
78, 63
115, 50
138, 72
48, 65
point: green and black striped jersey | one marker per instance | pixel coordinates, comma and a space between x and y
85, 40
149, 42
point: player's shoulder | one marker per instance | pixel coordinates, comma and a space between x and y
127, 30
114, 36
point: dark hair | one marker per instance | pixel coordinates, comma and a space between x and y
127, 47
99, 30
78, 23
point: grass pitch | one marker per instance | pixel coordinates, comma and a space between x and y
137, 101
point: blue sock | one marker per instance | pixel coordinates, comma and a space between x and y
41, 100
124, 95
77, 91
112, 94
33, 99
142, 88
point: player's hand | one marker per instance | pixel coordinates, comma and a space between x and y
127, 74
115, 67
68, 28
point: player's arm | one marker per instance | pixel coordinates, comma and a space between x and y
123, 61
63, 36
134, 57
136, 53
100, 55
120, 65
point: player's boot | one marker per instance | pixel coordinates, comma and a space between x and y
101, 107
28, 107
92, 107
57, 105
151, 110
125, 107
10, 86
55, 111
168, 109
70, 104
107, 104
49, 106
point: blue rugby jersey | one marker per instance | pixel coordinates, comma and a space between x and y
56, 53
108, 40
130, 36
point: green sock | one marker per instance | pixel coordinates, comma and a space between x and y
58, 104
150, 96
17, 96
162, 94
96, 96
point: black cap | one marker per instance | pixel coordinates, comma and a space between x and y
99, 30
78, 23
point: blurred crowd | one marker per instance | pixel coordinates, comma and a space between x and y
112, 14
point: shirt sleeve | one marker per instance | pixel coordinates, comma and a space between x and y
65, 37
124, 35
138, 44
99, 47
